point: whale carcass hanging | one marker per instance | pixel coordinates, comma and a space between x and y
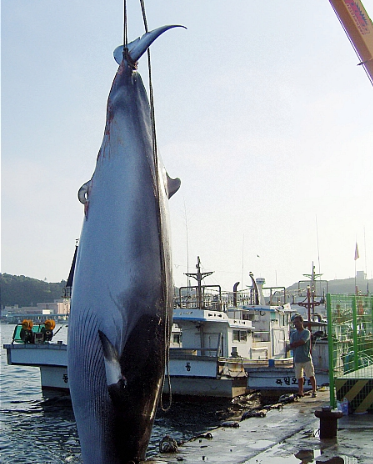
122, 296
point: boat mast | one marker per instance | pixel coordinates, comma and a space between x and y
199, 276
310, 304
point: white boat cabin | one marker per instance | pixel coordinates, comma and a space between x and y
271, 333
238, 324
213, 333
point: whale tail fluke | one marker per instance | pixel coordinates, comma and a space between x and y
139, 46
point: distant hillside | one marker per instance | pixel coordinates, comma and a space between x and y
25, 291
338, 286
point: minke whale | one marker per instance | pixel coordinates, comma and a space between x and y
122, 295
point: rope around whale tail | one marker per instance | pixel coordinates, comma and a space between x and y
167, 325
125, 50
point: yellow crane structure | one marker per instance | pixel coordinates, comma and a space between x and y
359, 29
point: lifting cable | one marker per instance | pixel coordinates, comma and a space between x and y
125, 32
167, 328
151, 94
167, 333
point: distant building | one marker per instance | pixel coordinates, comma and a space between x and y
360, 276
59, 308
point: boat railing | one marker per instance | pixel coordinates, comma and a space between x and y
198, 351
275, 296
237, 299
203, 297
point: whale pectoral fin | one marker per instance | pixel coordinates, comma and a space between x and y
83, 192
114, 377
173, 185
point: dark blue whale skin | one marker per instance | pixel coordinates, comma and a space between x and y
122, 296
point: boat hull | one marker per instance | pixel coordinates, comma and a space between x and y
280, 378
191, 375
207, 387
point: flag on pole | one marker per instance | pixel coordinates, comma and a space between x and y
357, 252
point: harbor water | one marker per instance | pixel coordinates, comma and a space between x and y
36, 429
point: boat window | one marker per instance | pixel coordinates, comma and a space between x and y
177, 338
239, 335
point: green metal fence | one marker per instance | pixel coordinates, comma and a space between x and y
350, 337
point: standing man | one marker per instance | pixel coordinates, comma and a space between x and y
300, 343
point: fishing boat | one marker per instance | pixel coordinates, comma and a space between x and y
49, 356
222, 344
225, 336
210, 354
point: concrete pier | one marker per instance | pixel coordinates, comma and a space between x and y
286, 436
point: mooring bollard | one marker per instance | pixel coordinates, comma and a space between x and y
328, 422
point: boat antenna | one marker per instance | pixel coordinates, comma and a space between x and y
317, 241
366, 267
187, 243
242, 261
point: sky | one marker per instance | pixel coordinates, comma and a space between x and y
261, 111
